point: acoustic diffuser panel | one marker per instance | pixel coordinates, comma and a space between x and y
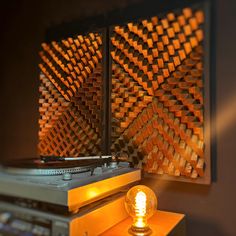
158, 98
157, 93
71, 96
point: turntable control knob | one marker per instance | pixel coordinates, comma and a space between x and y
67, 176
113, 164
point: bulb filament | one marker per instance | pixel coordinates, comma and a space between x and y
140, 209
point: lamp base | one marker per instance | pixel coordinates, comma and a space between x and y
137, 231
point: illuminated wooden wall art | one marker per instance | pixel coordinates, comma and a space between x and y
71, 96
158, 98
157, 94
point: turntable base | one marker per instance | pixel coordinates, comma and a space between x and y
81, 189
62, 197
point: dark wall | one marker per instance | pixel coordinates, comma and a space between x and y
211, 209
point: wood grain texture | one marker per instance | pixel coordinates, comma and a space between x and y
71, 96
160, 61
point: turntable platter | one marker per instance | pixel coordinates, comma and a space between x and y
45, 171
37, 167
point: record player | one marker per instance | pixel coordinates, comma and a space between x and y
64, 196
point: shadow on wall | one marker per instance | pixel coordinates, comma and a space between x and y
176, 187
207, 226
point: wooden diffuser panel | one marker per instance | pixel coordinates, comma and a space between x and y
157, 93
71, 96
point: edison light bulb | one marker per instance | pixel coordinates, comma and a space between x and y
140, 203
